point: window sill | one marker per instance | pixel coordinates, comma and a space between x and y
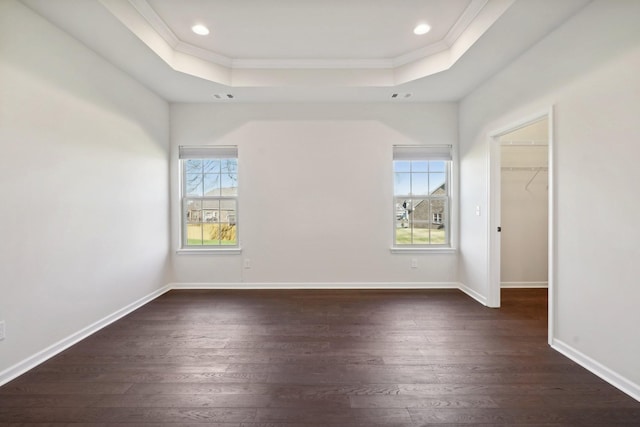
440, 250
209, 251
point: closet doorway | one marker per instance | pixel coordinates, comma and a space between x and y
521, 209
524, 207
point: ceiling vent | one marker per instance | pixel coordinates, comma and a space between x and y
400, 95
223, 96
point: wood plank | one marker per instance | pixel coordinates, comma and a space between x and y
367, 358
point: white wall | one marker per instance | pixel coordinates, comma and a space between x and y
83, 184
591, 77
316, 191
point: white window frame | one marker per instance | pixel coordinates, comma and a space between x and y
205, 152
425, 153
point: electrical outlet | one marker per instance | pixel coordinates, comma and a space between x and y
2, 335
414, 263
247, 263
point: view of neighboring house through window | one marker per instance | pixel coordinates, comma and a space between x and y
209, 196
421, 195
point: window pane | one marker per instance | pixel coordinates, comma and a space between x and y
194, 234
193, 166
419, 166
437, 166
194, 211
403, 206
211, 185
402, 184
438, 222
211, 204
420, 212
211, 211
436, 184
211, 234
420, 184
228, 222
402, 166
229, 166
193, 184
229, 184
211, 166
403, 233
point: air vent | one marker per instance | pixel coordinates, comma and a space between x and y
401, 95
223, 96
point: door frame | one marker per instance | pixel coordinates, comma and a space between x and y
494, 192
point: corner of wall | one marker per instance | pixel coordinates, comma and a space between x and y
623, 384
31, 362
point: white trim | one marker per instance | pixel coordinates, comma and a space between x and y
311, 64
423, 250
149, 14
625, 385
494, 220
418, 54
473, 294
56, 348
524, 285
493, 210
139, 17
467, 17
317, 285
225, 251
530, 143
551, 200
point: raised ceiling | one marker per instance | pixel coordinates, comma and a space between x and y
378, 31
308, 50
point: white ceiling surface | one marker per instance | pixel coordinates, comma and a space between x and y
309, 29
309, 50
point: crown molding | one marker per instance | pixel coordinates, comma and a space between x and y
147, 12
139, 17
463, 22
157, 23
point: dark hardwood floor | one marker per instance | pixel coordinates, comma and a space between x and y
318, 358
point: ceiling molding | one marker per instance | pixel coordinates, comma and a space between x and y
467, 17
317, 64
157, 23
142, 20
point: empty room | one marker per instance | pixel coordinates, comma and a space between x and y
319, 213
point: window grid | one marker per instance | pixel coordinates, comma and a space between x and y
421, 202
209, 202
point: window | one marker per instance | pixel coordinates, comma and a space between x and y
421, 196
209, 196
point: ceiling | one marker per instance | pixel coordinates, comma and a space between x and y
309, 50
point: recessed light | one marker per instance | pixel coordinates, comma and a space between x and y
200, 30
421, 29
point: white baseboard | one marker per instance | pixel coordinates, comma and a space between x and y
618, 381
473, 294
524, 284
54, 349
317, 285
613, 378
